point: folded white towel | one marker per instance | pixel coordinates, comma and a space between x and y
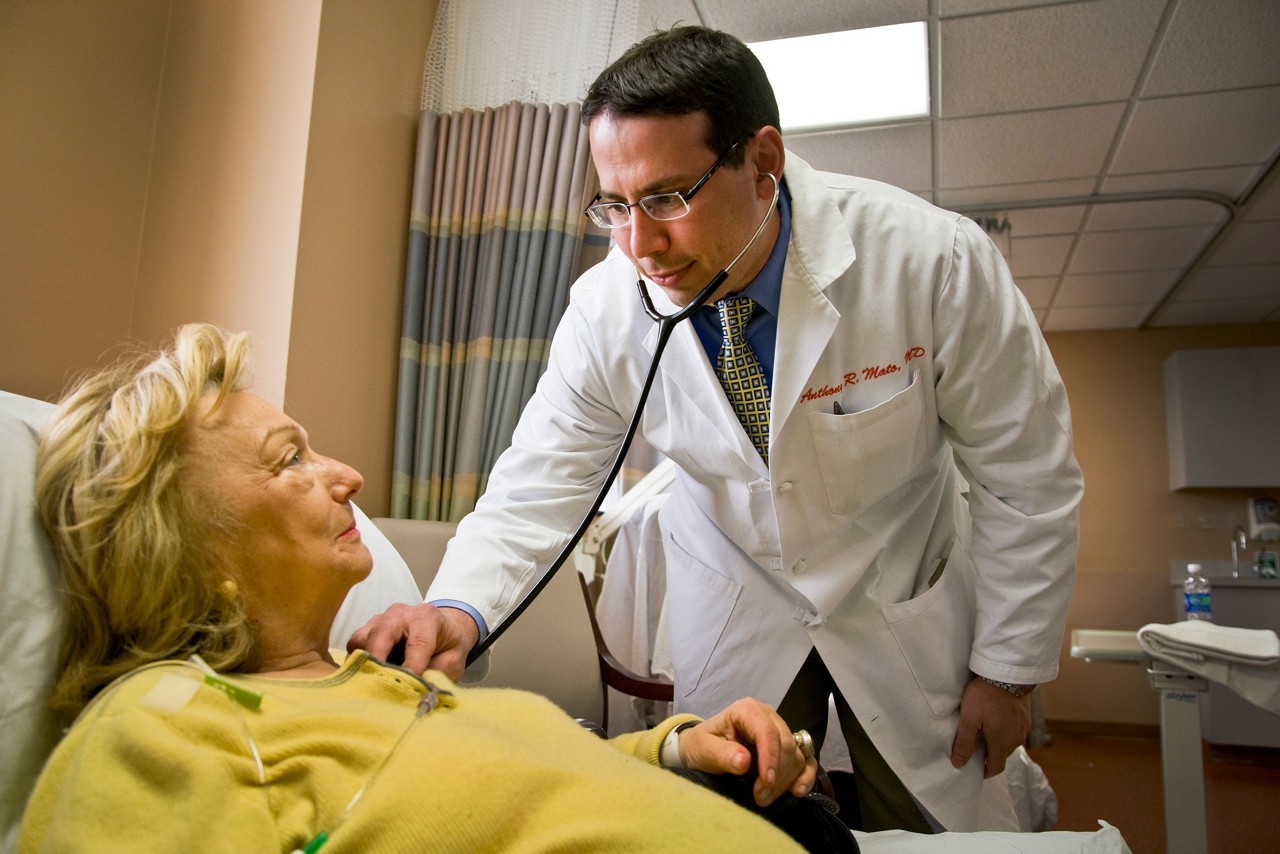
1199, 640
1245, 660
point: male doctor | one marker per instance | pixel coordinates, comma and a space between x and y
902, 531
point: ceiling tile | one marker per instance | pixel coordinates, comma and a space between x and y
969, 7
1255, 281
1048, 57
1036, 146
1197, 131
1072, 317
761, 20
1038, 256
1217, 311
1037, 222
1038, 289
1250, 243
1143, 287
1266, 202
1143, 249
898, 155
1230, 181
1212, 44
1155, 214
652, 15
974, 198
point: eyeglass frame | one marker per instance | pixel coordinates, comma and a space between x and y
683, 195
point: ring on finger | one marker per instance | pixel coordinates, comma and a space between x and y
804, 742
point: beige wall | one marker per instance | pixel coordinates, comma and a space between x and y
244, 162
79, 82
1131, 523
344, 345
223, 208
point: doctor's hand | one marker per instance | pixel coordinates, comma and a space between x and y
999, 718
434, 638
728, 742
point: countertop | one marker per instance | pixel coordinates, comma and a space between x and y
1219, 573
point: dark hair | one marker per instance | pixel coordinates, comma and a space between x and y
685, 70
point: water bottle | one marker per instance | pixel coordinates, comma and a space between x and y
1266, 564
1195, 593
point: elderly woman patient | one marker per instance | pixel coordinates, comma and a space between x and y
206, 548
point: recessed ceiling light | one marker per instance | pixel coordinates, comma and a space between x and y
855, 77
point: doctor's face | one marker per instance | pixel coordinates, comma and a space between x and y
637, 156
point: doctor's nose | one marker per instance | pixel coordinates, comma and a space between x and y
645, 235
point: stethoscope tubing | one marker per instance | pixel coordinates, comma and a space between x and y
666, 325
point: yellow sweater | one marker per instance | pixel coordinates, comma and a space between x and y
162, 762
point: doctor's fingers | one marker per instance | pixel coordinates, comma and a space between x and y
962, 746
403, 634
1001, 741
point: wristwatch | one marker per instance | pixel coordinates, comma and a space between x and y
1015, 690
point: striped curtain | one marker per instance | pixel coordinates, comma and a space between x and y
497, 236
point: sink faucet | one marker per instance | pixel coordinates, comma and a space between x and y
1238, 541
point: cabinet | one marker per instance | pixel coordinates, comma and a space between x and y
1222, 409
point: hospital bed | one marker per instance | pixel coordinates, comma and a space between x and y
551, 651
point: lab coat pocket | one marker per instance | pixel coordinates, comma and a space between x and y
699, 603
864, 456
934, 631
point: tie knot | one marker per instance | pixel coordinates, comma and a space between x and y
734, 314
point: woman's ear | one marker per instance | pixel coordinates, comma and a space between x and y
770, 155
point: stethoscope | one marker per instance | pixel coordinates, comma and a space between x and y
666, 325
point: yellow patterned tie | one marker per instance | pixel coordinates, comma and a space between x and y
741, 375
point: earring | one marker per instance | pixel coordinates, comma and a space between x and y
228, 590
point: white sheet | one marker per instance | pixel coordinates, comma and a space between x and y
1106, 840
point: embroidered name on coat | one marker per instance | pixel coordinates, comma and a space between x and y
870, 372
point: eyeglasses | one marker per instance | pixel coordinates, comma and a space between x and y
660, 206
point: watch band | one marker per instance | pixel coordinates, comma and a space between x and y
1015, 690
669, 752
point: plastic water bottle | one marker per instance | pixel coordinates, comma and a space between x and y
1195, 594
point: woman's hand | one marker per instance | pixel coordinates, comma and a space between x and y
750, 730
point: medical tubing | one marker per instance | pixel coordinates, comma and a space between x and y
666, 324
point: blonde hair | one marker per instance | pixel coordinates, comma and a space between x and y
141, 583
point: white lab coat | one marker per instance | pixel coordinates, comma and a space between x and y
907, 316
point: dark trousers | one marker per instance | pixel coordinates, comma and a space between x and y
884, 803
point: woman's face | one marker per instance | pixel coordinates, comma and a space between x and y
293, 548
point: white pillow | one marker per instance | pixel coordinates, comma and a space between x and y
28, 614
29, 609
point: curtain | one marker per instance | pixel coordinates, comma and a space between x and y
496, 231
496, 239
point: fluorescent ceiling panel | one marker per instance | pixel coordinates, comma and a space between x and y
855, 77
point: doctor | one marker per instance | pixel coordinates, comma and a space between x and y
902, 533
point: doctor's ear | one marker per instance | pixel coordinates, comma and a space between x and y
769, 155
